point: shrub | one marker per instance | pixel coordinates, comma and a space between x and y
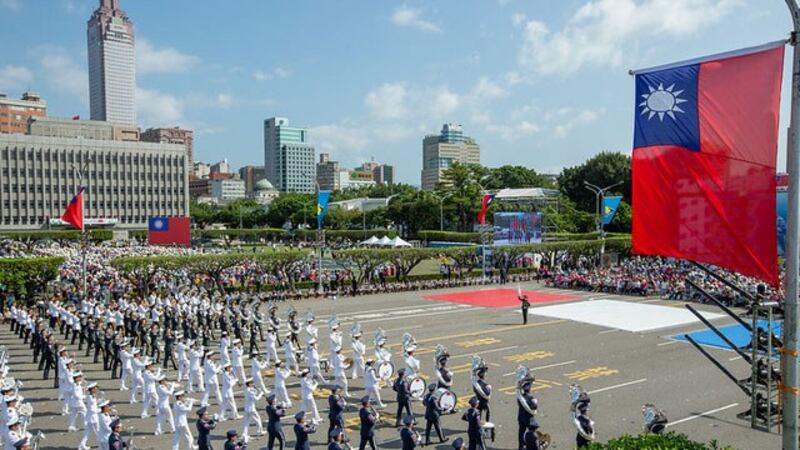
668, 441
355, 235
25, 277
449, 236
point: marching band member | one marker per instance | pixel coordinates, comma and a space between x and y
114, 439
272, 350
281, 375
312, 357
76, 399
408, 436
63, 376
371, 383
432, 414
232, 441
14, 434
294, 327
182, 431
336, 436
274, 414
91, 422
310, 329
211, 371
237, 359
228, 401
382, 355
444, 377
251, 396
127, 368
290, 353
301, 432
165, 392
526, 409
400, 386
257, 368
224, 345
336, 406
368, 418
9, 416
335, 336
585, 426
339, 371
359, 349
182, 350
473, 418
137, 383
483, 390
530, 439
274, 321
150, 389
104, 429
204, 426
195, 376
307, 388
412, 363
458, 444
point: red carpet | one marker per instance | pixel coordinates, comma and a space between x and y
499, 298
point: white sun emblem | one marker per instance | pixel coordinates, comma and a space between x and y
159, 224
662, 102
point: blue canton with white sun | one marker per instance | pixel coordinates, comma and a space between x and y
666, 108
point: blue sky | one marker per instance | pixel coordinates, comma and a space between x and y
540, 83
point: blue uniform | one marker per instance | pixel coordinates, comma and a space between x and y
403, 399
531, 441
274, 429
301, 432
473, 418
409, 438
367, 428
335, 412
204, 434
432, 413
523, 416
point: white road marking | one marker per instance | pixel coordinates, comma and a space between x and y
565, 363
629, 383
703, 414
735, 358
651, 301
674, 341
613, 330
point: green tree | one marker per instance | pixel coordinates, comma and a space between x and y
418, 210
603, 169
516, 177
290, 206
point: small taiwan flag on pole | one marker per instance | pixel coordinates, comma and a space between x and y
74, 213
485, 202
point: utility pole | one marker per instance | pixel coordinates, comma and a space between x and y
599, 196
789, 359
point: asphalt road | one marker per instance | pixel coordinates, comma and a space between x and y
621, 371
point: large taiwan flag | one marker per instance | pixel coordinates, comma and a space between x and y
165, 230
704, 151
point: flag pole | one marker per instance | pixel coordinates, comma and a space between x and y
82, 240
789, 360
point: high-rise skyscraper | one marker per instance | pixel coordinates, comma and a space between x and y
439, 152
288, 157
112, 65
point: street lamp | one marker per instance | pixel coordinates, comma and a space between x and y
599, 195
441, 210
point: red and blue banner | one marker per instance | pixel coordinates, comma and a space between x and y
486, 201
704, 154
163, 230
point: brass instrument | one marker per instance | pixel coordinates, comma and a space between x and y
479, 366
25, 411
525, 380
577, 396
347, 363
544, 440
655, 421
36, 440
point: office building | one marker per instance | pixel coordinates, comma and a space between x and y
126, 181
439, 152
351, 179
200, 170
222, 167
288, 157
14, 114
227, 189
83, 129
383, 174
175, 135
251, 175
112, 65
328, 173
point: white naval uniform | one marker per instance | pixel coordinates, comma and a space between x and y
281, 394
104, 430
290, 355
182, 430
150, 393
412, 367
224, 345
195, 375
138, 379
371, 386
312, 358
211, 369
164, 409
91, 421
309, 405
76, 405
228, 401
127, 368
339, 373
183, 360
358, 357
237, 361
256, 368
251, 396
271, 351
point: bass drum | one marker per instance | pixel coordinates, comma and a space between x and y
416, 387
446, 400
385, 370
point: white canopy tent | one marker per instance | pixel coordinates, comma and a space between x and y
398, 242
371, 241
385, 242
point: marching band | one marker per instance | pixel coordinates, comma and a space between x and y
132, 339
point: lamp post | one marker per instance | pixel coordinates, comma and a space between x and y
599, 195
441, 210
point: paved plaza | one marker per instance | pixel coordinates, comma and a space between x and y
620, 369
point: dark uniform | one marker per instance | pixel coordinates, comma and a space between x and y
473, 418
335, 412
483, 403
531, 440
587, 427
169, 343
204, 433
368, 421
525, 305
408, 438
274, 430
301, 432
432, 413
523, 416
403, 397
115, 442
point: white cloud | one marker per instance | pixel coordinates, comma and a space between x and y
14, 78
61, 71
339, 138
487, 89
387, 102
518, 19
598, 32
514, 131
150, 59
155, 108
276, 73
444, 103
10, 4
574, 119
410, 17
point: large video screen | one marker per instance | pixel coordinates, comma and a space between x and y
517, 228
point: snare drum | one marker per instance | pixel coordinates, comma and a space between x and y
416, 387
446, 400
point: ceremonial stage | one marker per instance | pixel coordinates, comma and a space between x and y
620, 349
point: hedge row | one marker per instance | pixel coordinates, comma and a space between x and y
475, 238
56, 235
25, 277
667, 441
